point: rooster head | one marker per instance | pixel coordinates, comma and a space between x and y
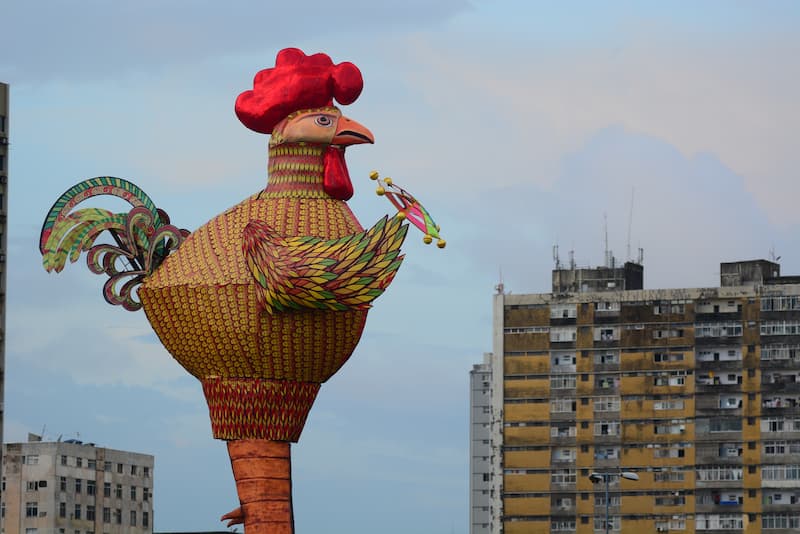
293, 102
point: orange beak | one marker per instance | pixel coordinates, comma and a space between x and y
349, 132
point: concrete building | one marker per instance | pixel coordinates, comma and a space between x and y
481, 451
69, 487
4, 133
696, 392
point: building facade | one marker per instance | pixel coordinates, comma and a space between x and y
4, 134
695, 392
481, 451
69, 487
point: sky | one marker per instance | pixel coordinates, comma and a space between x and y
670, 126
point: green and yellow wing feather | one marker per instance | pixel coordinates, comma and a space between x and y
309, 272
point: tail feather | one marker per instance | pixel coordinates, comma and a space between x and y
143, 237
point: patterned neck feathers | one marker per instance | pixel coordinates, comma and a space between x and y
295, 170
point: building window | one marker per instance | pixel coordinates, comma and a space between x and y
674, 427
63, 482
31, 459
772, 424
133, 518
133, 493
661, 357
77, 485
669, 404
724, 425
713, 473
118, 516
62, 509
146, 472
145, 519
563, 381
91, 464
118, 492
119, 468
566, 525
780, 472
78, 462
77, 511
107, 465
90, 512
562, 406
600, 523
145, 494
106, 489
784, 520
31, 509
563, 476
606, 404
603, 453
606, 428
724, 329
106, 515
133, 470
91, 485
780, 328
63, 459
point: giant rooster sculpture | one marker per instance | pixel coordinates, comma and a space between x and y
267, 300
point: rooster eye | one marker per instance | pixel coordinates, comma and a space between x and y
323, 120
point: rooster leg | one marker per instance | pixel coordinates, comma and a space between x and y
262, 470
234, 517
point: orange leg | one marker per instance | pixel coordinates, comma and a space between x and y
262, 470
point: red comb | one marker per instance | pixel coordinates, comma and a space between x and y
296, 82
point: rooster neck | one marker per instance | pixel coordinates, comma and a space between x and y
296, 170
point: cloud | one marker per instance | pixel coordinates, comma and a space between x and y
477, 113
61, 323
689, 214
102, 40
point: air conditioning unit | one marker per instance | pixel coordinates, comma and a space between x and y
3, 140
3, 179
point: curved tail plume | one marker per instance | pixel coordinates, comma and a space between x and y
143, 237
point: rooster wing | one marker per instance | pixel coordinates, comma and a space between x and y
309, 272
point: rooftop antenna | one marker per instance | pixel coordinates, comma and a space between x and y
772, 257
500, 287
572, 259
630, 222
605, 233
556, 258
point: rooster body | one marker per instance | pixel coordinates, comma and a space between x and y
267, 300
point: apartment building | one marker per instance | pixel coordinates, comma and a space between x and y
4, 131
70, 487
681, 405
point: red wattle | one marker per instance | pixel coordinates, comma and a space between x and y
336, 180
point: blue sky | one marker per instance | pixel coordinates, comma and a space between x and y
519, 124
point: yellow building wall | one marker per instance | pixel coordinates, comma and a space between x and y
584, 412
636, 504
526, 317
585, 363
527, 365
752, 527
527, 388
539, 411
585, 337
527, 459
527, 506
526, 342
528, 483
526, 527
525, 435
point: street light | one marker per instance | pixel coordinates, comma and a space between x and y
596, 477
